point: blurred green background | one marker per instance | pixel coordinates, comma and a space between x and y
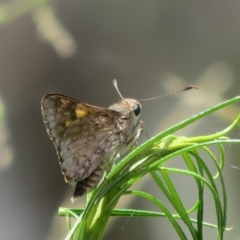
77, 48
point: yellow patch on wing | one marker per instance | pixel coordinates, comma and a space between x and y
64, 102
81, 113
67, 123
82, 110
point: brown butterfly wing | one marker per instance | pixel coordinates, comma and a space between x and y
84, 135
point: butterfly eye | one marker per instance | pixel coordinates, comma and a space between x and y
136, 109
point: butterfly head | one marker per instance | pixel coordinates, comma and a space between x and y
126, 106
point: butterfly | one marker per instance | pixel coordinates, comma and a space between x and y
88, 138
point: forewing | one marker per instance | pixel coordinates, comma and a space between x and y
83, 134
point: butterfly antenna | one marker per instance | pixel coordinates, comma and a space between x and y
116, 86
168, 94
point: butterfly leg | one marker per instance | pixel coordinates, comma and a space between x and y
133, 141
144, 129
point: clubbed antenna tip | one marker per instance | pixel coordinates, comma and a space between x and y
116, 86
189, 88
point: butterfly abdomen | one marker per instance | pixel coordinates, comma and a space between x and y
86, 185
